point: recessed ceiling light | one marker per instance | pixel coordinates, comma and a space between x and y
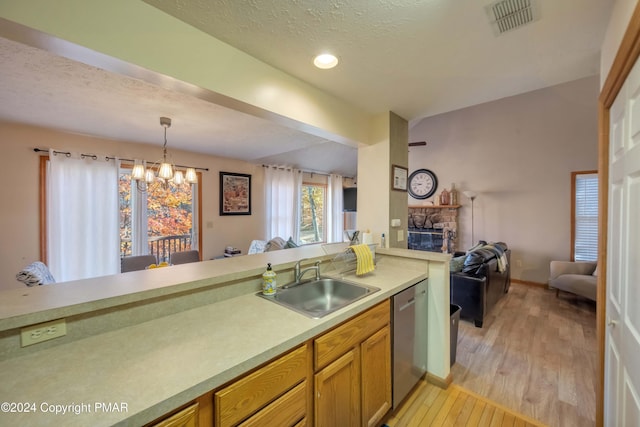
325, 61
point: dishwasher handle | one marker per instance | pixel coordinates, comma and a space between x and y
409, 303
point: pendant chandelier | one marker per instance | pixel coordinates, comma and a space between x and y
162, 171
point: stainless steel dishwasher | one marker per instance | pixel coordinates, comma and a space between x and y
409, 340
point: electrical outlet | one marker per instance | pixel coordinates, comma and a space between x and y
34, 334
400, 235
518, 263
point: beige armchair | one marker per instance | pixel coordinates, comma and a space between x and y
578, 277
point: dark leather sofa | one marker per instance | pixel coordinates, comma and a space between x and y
481, 284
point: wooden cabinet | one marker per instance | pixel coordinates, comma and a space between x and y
342, 377
197, 413
188, 417
269, 390
353, 370
285, 411
337, 392
376, 376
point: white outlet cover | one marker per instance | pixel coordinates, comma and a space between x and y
34, 334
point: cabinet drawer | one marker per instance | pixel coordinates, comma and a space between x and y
335, 343
285, 411
188, 417
247, 395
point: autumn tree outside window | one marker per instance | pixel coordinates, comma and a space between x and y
175, 211
170, 213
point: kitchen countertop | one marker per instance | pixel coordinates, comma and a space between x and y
148, 369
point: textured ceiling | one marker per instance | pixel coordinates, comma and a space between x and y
414, 57
43, 89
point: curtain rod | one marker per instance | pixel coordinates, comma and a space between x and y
94, 157
303, 170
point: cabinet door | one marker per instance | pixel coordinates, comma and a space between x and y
337, 392
376, 376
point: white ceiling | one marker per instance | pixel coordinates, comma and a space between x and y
40, 88
415, 57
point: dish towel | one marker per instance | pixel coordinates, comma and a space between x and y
364, 259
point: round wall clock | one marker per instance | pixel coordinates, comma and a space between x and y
422, 184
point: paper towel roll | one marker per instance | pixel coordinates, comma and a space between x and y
367, 238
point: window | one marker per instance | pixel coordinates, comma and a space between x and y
305, 206
169, 215
584, 216
312, 213
172, 219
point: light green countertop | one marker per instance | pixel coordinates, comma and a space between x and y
148, 369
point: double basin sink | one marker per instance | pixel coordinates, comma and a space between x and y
317, 298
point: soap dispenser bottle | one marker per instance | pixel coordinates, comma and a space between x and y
269, 281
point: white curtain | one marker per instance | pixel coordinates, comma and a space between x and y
335, 216
82, 217
194, 217
139, 221
282, 198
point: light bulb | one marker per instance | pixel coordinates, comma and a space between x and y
137, 172
325, 61
191, 176
149, 176
166, 171
178, 178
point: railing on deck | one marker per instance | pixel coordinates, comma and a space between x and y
163, 246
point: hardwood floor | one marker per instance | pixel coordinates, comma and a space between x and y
430, 405
535, 355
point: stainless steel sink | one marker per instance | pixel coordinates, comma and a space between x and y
317, 298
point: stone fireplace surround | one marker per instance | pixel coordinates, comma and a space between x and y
433, 228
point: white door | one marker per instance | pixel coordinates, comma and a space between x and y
622, 338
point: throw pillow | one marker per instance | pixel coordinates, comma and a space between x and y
456, 264
290, 243
275, 244
595, 272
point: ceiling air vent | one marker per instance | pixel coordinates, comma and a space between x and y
507, 15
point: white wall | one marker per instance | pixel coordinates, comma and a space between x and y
517, 153
19, 214
618, 22
141, 34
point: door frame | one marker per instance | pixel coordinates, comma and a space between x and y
627, 54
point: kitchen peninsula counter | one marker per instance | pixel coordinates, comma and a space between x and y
139, 372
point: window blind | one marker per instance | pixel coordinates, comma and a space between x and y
586, 217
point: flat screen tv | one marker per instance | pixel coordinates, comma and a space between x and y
350, 199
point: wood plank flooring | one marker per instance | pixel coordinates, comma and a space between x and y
535, 356
430, 405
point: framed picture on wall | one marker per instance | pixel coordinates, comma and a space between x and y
399, 178
235, 194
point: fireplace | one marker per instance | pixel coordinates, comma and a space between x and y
433, 228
